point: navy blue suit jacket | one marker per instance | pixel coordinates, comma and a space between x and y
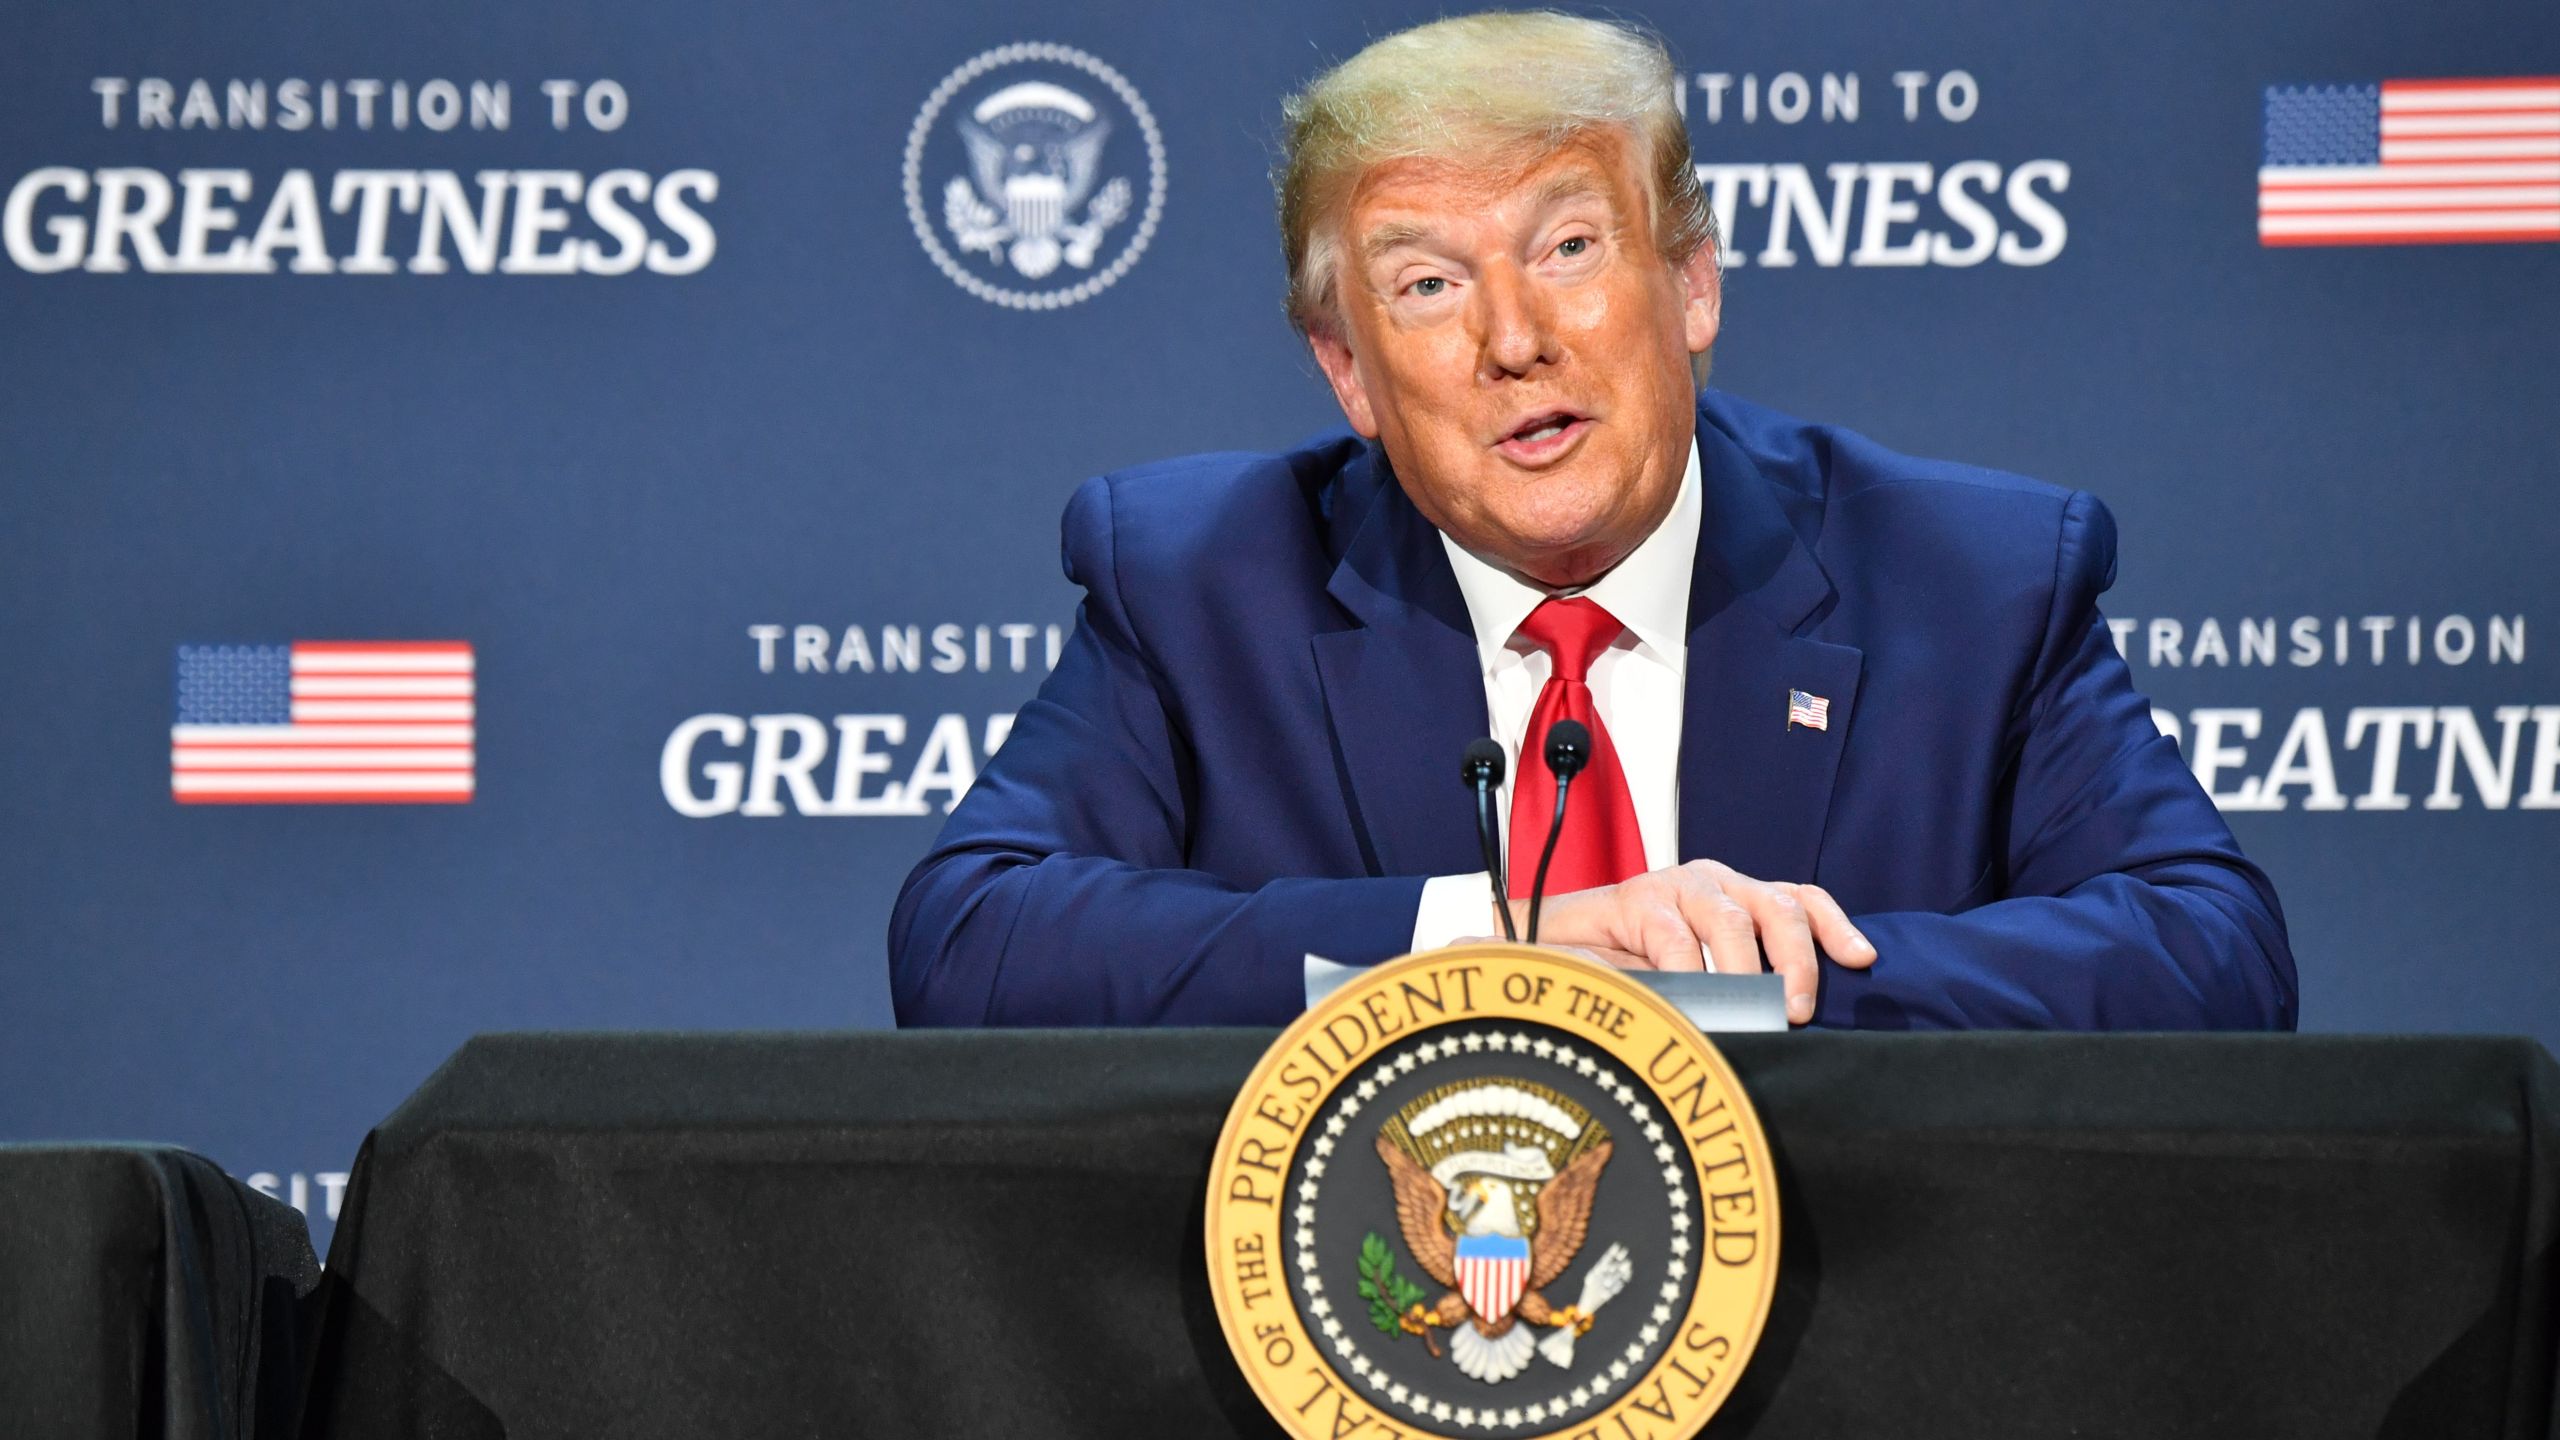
1249, 751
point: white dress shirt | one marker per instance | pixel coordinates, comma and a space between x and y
1638, 685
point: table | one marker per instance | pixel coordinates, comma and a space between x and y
1000, 1234
145, 1294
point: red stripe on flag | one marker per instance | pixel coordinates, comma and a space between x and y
415, 647
2410, 237
413, 720
2386, 182
205, 766
2306, 211
2534, 114
2439, 87
327, 797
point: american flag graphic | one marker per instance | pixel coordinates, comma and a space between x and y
1492, 1271
385, 722
2411, 162
1811, 711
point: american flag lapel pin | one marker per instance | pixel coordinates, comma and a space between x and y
1811, 711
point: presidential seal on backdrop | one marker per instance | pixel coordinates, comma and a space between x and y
1493, 1190
1035, 176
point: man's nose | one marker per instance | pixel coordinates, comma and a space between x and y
1519, 323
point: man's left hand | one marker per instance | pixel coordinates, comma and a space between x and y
1708, 916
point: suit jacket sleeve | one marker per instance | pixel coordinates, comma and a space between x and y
2122, 902
1058, 893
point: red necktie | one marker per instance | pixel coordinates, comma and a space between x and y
1600, 845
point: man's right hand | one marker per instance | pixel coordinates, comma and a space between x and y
1707, 916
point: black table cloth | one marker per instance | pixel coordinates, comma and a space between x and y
145, 1295
1000, 1234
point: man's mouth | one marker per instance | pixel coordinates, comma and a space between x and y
1543, 437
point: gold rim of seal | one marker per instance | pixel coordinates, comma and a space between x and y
1283, 1360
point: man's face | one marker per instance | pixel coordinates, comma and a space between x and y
1515, 340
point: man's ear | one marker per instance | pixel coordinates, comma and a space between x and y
1344, 375
1702, 304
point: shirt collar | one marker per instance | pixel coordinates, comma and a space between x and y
1648, 591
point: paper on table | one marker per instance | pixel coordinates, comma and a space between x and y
1716, 1004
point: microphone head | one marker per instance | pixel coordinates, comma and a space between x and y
1483, 765
1568, 748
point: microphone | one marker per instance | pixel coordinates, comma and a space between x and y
1568, 750
1482, 772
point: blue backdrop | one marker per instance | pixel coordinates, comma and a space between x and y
683, 362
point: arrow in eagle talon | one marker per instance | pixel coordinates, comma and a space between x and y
1603, 1281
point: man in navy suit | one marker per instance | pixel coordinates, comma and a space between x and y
1856, 717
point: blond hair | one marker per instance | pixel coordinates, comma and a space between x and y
1504, 85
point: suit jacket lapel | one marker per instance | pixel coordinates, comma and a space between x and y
1404, 691
1755, 791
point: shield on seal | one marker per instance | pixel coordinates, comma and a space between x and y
1492, 1271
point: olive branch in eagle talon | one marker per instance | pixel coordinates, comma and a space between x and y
1422, 1203
1389, 1294
975, 225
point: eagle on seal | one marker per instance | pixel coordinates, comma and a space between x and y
1442, 1223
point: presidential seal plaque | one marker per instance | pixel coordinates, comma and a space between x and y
1493, 1190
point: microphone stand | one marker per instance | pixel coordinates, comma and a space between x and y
1568, 750
1482, 772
